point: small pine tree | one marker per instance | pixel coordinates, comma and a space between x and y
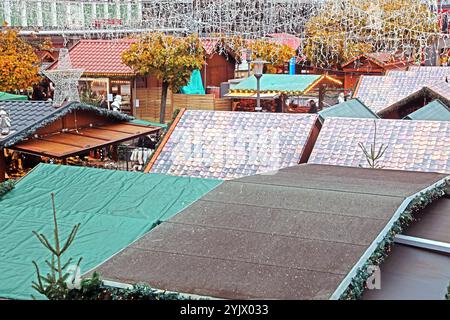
374, 156
54, 285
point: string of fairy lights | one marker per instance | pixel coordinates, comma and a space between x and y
350, 20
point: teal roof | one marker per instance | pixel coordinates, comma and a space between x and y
115, 208
148, 123
434, 111
279, 82
4, 96
348, 109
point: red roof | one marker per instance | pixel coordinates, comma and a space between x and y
100, 57
210, 45
287, 39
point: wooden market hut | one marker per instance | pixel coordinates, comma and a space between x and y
415, 101
104, 72
75, 129
353, 108
282, 92
377, 63
434, 111
220, 64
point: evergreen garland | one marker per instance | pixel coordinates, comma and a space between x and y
358, 283
60, 112
5, 187
447, 296
94, 289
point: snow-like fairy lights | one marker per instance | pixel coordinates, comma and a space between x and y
65, 79
351, 21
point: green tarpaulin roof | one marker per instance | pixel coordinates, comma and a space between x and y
348, 109
4, 96
148, 123
114, 208
279, 83
434, 111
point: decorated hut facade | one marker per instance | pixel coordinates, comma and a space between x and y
283, 92
104, 74
377, 63
400, 93
76, 133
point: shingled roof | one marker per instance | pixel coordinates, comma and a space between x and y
100, 57
228, 145
24, 114
381, 92
299, 234
29, 116
412, 145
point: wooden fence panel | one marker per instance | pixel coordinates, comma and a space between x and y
150, 102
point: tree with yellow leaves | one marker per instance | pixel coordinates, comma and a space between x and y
347, 28
19, 65
275, 54
169, 58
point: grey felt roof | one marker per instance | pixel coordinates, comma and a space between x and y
292, 235
28, 116
416, 273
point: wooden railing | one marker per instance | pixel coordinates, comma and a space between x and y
150, 102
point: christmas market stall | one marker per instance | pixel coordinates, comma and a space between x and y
307, 232
113, 208
75, 133
400, 144
104, 75
400, 93
228, 145
377, 63
283, 93
434, 111
348, 109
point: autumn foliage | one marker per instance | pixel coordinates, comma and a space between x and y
19, 65
345, 29
275, 54
168, 58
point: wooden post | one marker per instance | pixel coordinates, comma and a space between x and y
2, 165
322, 91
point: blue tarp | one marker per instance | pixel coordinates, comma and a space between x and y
195, 85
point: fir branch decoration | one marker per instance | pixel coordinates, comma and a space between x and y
59, 113
94, 289
358, 283
5, 187
373, 156
54, 285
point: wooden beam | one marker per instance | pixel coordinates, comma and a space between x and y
2, 165
164, 141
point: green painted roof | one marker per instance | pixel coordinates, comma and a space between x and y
348, 109
148, 123
115, 208
434, 111
279, 82
4, 96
